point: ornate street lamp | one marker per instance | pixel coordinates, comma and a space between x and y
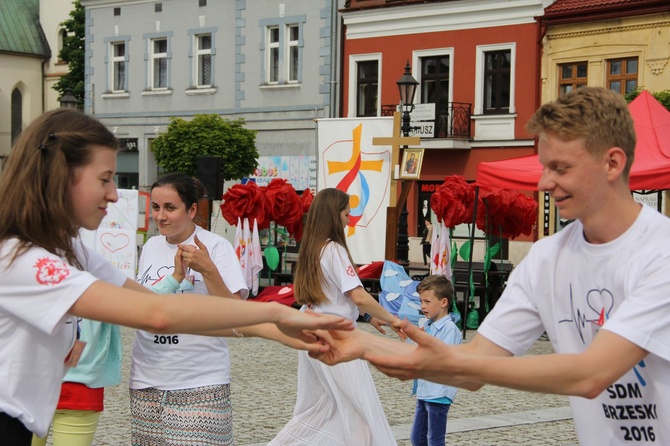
407, 88
68, 100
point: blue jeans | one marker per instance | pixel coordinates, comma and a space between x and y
430, 424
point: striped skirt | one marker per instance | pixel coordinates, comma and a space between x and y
200, 416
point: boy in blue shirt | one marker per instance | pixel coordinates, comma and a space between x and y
434, 400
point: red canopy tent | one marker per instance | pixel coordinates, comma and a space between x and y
650, 171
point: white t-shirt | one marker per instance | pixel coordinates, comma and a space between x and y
37, 334
339, 276
564, 285
181, 361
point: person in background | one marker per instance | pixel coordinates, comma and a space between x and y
434, 400
335, 405
82, 393
599, 288
180, 384
63, 164
426, 240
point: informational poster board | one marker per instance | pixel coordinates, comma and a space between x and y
115, 238
300, 171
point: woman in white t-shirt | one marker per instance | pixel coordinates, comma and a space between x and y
180, 384
335, 405
59, 178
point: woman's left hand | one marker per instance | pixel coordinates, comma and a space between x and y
197, 257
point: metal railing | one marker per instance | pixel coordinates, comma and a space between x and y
451, 121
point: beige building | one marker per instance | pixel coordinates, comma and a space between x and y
30, 37
619, 44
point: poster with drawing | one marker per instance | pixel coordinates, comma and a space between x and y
115, 238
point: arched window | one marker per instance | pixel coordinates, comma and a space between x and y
17, 113
62, 34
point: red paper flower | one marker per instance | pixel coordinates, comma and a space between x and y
307, 197
506, 213
295, 229
245, 201
284, 204
453, 201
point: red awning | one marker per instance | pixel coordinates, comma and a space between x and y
650, 171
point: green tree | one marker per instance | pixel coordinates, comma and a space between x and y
178, 149
73, 53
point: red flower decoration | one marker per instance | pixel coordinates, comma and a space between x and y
295, 229
245, 201
307, 197
284, 204
506, 213
453, 201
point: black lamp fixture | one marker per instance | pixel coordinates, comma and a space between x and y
407, 88
68, 100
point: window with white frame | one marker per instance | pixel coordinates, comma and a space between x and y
159, 64
118, 66
495, 84
283, 45
293, 45
203, 60
364, 85
495, 73
435, 89
367, 87
273, 54
497, 80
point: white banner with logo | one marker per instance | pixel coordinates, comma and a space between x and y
349, 161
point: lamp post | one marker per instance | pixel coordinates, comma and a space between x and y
68, 100
407, 88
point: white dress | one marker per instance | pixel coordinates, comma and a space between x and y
337, 405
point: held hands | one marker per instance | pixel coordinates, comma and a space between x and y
395, 326
429, 358
300, 324
343, 346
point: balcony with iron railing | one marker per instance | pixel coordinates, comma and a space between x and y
451, 122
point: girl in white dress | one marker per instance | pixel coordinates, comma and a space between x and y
339, 405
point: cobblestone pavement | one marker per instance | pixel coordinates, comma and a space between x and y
264, 392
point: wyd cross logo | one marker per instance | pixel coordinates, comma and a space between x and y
51, 271
365, 176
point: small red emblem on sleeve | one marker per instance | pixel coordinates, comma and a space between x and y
51, 271
350, 271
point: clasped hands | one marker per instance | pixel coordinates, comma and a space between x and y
426, 359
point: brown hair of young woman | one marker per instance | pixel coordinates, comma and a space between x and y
323, 224
36, 207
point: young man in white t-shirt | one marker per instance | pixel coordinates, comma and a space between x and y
599, 288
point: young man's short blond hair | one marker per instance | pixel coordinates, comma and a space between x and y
441, 286
598, 116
